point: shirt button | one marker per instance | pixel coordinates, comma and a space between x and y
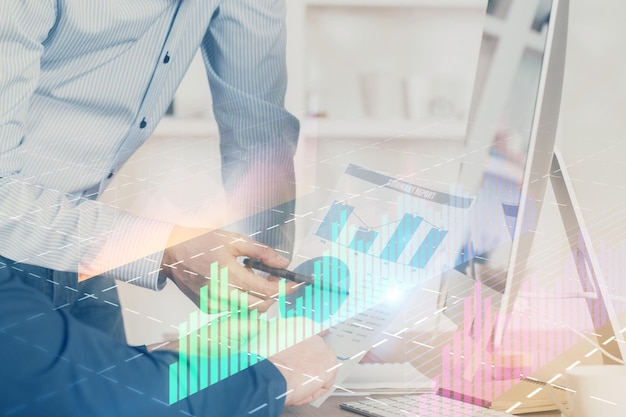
143, 123
110, 175
166, 59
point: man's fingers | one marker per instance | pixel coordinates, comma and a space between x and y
261, 305
264, 291
290, 286
250, 281
256, 250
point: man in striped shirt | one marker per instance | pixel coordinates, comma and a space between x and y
82, 86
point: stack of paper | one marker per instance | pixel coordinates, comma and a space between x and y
385, 378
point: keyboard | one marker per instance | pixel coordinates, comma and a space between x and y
422, 405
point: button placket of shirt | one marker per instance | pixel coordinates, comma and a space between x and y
181, 30
134, 135
182, 33
148, 111
137, 136
157, 78
162, 69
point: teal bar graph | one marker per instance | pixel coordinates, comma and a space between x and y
244, 329
401, 237
428, 247
193, 353
204, 340
234, 333
232, 342
182, 360
363, 240
224, 358
214, 349
334, 221
253, 326
317, 293
173, 382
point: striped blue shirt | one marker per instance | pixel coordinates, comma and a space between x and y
84, 83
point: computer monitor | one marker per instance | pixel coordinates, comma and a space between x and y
380, 234
510, 141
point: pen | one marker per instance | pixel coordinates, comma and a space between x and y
287, 274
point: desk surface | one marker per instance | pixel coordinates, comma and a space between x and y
330, 408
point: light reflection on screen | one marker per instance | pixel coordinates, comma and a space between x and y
499, 131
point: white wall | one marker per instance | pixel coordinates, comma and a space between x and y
592, 127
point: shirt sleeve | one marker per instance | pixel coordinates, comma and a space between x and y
48, 227
244, 51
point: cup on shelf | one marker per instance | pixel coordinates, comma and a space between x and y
418, 95
383, 96
449, 98
436, 97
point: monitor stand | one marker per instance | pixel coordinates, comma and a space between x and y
592, 280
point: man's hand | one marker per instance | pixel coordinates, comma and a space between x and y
309, 369
190, 253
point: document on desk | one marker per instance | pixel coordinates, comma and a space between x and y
386, 378
352, 339
385, 241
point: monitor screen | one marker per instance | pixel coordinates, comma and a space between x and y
510, 143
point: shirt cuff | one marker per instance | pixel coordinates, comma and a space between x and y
132, 252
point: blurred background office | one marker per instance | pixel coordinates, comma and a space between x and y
361, 71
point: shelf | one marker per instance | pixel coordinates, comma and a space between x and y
458, 4
172, 127
181, 127
383, 129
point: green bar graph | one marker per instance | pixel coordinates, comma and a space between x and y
193, 353
215, 281
204, 357
214, 347
224, 351
204, 340
334, 281
234, 332
291, 331
282, 330
235, 341
300, 330
263, 329
308, 296
271, 339
244, 330
204, 299
317, 293
182, 360
223, 292
254, 336
173, 382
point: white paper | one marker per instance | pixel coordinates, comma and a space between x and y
394, 239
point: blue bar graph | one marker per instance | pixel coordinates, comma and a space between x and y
428, 247
401, 237
363, 239
334, 221
394, 238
